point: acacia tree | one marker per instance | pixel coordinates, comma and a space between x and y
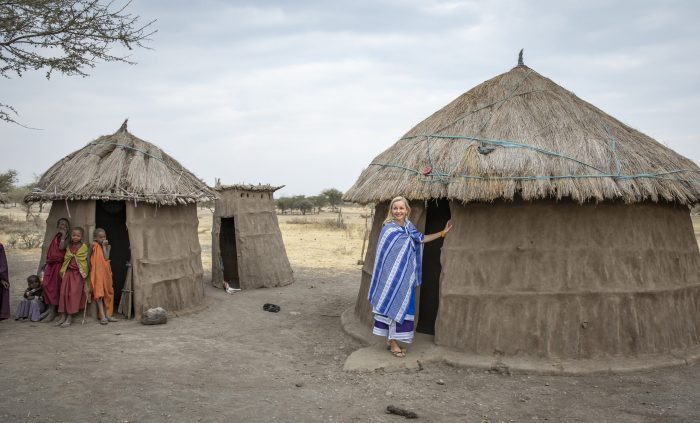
283, 204
334, 197
304, 205
64, 36
8, 180
319, 201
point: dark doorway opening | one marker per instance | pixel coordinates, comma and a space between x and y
111, 216
437, 215
229, 253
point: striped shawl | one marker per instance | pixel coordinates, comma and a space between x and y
397, 269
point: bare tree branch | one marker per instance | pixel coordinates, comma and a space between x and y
64, 36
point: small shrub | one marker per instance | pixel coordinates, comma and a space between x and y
27, 239
343, 250
334, 224
23, 234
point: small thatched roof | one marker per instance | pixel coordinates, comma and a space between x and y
248, 187
120, 167
521, 135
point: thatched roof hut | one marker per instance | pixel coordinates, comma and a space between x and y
247, 247
146, 202
120, 167
572, 237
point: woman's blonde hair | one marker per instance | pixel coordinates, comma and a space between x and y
389, 216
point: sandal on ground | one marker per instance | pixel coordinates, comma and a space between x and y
399, 354
388, 347
104, 321
65, 324
112, 319
272, 308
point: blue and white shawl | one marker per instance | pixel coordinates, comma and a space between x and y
397, 269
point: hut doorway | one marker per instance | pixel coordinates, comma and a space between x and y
229, 253
437, 215
111, 216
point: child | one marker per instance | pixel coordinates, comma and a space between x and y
51, 281
101, 277
74, 272
32, 304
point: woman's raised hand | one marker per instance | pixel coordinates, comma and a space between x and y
448, 226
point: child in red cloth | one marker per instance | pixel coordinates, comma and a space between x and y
74, 272
51, 280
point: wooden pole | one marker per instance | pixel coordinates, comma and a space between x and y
364, 241
125, 300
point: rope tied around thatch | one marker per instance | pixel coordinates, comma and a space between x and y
446, 177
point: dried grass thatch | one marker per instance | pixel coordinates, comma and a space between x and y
120, 167
521, 135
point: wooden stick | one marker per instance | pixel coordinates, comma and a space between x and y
85, 309
129, 283
126, 293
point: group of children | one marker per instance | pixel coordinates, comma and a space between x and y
72, 274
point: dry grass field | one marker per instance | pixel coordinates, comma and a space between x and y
232, 361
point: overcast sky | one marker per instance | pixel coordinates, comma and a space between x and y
306, 93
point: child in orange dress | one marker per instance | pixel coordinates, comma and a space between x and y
101, 276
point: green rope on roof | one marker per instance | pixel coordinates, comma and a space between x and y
442, 175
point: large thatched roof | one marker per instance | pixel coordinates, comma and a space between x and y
521, 135
120, 167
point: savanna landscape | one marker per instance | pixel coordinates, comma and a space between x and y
231, 361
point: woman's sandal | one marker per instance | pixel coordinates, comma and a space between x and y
400, 353
388, 347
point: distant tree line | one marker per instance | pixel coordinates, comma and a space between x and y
10, 192
312, 204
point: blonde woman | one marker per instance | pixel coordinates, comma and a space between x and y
397, 273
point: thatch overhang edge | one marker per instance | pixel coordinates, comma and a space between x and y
248, 187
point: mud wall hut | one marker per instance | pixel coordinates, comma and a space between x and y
146, 202
247, 247
572, 235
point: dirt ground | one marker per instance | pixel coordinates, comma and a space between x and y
233, 362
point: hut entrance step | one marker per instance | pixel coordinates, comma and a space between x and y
111, 216
229, 252
437, 215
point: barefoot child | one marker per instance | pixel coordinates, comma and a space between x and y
73, 273
51, 280
101, 277
31, 304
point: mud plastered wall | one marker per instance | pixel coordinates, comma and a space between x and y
566, 280
166, 256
